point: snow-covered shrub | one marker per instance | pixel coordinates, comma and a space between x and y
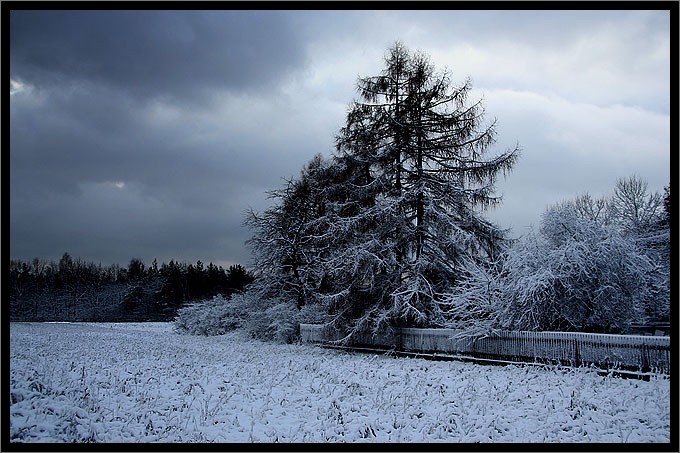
274, 320
574, 274
265, 319
216, 316
279, 320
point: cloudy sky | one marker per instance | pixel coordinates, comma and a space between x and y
149, 133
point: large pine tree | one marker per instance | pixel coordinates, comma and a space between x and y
409, 176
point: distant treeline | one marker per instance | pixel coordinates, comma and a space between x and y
76, 290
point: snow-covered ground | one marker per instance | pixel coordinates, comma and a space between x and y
145, 383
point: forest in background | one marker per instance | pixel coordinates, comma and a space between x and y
77, 290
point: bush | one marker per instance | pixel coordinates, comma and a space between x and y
273, 320
279, 320
215, 316
264, 319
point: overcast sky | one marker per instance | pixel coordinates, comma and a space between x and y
149, 134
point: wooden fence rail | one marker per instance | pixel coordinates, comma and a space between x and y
626, 352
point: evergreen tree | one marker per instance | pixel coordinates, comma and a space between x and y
136, 269
281, 244
408, 177
238, 278
667, 204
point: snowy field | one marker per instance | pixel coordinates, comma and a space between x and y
144, 383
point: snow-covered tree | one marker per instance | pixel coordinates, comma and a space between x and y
586, 207
667, 204
636, 210
578, 272
281, 244
639, 215
410, 173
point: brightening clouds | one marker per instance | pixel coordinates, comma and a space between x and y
149, 133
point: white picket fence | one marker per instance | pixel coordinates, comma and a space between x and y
631, 352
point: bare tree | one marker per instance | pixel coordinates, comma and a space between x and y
634, 208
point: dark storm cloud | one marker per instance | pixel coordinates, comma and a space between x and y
178, 54
118, 145
189, 156
148, 134
184, 182
111, 224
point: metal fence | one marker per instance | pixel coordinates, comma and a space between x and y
627, 352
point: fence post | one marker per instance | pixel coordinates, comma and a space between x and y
645, 368
577, 353
400, 339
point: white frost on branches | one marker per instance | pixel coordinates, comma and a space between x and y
575, 273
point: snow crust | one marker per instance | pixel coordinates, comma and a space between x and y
142, 382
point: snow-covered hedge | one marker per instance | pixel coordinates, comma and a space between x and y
264, 319
279, 320
216, 316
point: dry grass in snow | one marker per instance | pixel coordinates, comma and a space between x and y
145, 383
